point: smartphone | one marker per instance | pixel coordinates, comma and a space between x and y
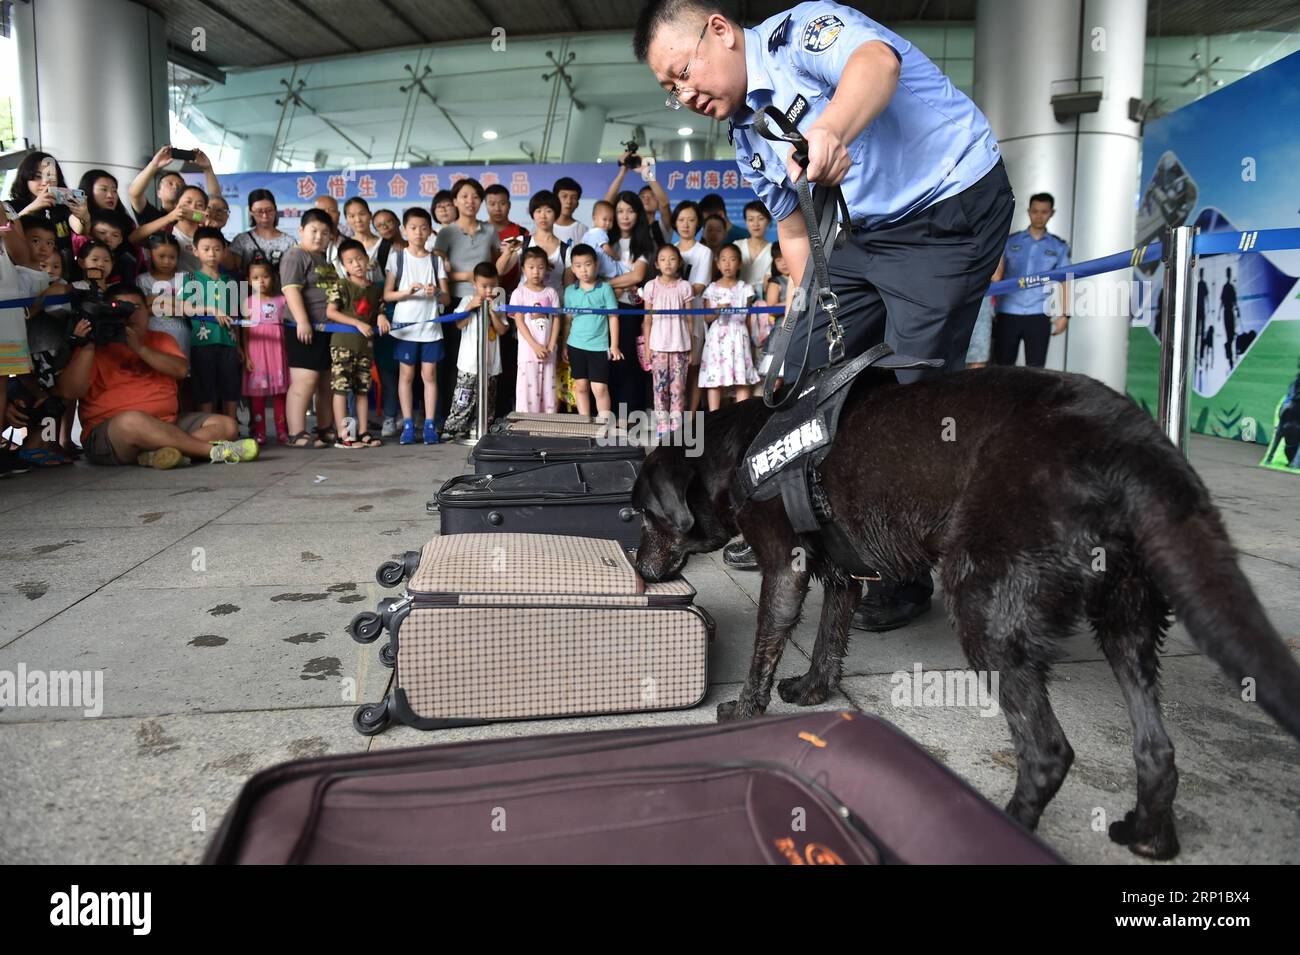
66, 196
184, 155
647, 169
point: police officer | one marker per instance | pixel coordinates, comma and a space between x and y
928, 197
1022, 315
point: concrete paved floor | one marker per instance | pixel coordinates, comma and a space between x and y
214, 599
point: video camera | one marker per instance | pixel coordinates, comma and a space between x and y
633, 161
107, 318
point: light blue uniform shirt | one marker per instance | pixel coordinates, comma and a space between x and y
929, 143
1026, 255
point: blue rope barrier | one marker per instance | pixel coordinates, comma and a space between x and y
1131, 259
550, 309
1260, 240
1209, 243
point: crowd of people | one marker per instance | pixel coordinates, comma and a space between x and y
173, 325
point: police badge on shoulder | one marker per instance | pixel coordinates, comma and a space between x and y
821, 32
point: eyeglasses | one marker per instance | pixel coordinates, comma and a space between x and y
673, 102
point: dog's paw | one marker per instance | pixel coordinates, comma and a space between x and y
727, 712
1023, 814
800, 691
1158, 841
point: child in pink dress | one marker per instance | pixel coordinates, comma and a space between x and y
728, 360
669, 336
266, 369
539, 334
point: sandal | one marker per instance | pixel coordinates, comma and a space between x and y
346, 443
328, 435
41, 458
368, 440
299, 441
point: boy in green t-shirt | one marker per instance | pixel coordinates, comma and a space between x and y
358, 302
216, 362
590, 338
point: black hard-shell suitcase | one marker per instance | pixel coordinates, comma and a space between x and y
578, 498
499, 452
862, 792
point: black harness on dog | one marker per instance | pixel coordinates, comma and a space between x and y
784, 457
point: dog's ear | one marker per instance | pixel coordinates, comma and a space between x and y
669, 479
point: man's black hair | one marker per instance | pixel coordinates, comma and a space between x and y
1042, 197
567, 183
660, 13
125, 288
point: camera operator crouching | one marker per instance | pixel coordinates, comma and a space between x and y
126, 380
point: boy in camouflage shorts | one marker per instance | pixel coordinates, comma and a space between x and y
358, 302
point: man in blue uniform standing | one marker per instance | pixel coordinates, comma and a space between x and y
927, 194
1022, 315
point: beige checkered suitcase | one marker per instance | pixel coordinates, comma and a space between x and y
498, 627
556, 425
548, 416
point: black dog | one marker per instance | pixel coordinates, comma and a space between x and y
1011, 479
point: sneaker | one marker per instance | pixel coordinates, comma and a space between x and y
233, 452
739, 555
430, 433
164, 459
389, 428
408, 432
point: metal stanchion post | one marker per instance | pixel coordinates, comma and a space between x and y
484, 320
1176, 335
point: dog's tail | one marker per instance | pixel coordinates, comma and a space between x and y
1181, 537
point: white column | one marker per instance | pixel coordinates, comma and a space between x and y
586, 129
1106, 185
1025, 51
93, 77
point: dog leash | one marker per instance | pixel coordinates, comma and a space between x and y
822, 211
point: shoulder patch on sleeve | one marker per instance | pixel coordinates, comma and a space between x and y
822, 32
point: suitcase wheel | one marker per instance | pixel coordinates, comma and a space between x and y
365, 627
387, 655
390, 573
371, 719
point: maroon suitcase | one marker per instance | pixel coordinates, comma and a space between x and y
813, 788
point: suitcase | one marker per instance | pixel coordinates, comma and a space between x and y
581, 498
503, 452
562, 425
496, 627
717, 793
544, 416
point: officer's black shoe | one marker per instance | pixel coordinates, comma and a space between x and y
739, 555
878, 614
